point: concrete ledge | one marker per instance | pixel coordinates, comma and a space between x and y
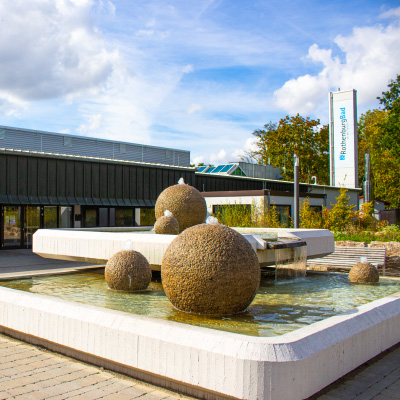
204, 362
97, 247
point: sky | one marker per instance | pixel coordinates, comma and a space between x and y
195, 75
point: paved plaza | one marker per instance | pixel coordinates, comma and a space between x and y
30, 372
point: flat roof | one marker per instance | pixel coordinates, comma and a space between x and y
88, 158
88, 138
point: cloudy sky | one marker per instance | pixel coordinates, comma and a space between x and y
197, 75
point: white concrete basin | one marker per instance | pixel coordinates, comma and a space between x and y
98, 245
202, 362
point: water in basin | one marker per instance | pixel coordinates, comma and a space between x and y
278, 308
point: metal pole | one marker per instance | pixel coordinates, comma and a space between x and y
296, 191
367, 182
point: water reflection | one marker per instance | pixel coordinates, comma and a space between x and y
278, 308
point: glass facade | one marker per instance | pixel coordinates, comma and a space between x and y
11, 226
19, 223
147, 216
124, 217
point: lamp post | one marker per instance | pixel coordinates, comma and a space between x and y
296, 191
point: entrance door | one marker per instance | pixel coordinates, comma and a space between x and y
31, 223
12, 226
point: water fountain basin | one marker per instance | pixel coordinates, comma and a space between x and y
97, 245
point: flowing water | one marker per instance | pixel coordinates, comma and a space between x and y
290, 263
279, 306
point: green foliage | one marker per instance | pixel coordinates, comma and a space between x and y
277, 143
270, 218
235, 215
246, 215
309, 219
341, 218
341, 215
385, 174
368, 236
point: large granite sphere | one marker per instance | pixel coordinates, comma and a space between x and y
128, 270
363, 273
210, 269
166, 225
186, 204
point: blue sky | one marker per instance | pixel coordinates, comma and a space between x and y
196, 75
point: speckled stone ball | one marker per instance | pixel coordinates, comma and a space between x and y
185, 203
128, 270
363, 273
210, 269
166, 225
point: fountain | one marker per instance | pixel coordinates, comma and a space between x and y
198, 361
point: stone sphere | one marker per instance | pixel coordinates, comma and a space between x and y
128, 270
186, 204
363, 273
210, 269
166, 225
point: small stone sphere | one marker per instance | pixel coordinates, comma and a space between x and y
186, 204
166, 225
128, 270
210, 269
363, 273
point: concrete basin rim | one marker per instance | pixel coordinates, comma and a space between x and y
251, 347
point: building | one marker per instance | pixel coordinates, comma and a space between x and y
56, 143
40, 189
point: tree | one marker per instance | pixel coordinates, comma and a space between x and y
391, 102
340, 216
277, 143
385, 173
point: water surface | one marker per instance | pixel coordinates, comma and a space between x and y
278, 308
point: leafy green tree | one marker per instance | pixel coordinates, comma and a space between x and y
277, 143
340, 216
391, 102
309, 219
379, 135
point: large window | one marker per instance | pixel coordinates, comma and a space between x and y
124, 217
90, 217
32, 223
50, 217
147, 216
284, 213
12, 226
65, 217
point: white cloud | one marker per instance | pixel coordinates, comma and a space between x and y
91, 126
219, 158
194, 107
51, 48
197, 160
371, 59
249, 146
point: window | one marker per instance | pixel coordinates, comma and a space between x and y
316, 209
168, 153
67, 141
90, 218
122, 148
50, 217
65, 216
2, 134
124, 217
147, 216
284, 213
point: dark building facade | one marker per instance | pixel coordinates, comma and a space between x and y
41, 190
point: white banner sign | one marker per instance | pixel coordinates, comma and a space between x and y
343, 135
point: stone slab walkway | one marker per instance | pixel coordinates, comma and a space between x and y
31, 373
378, 379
